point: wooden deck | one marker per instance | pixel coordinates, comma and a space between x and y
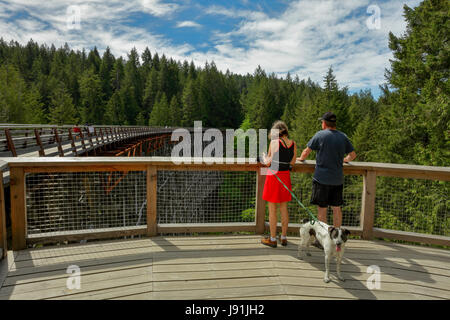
221, 267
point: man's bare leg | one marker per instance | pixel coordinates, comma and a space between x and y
337, 217
322, 214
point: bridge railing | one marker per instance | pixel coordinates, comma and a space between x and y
50, 140
3, 234
70, 199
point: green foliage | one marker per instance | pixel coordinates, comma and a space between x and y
91, 98
159, 115
62, 110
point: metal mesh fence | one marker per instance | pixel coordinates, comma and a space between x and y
413, 205
302, 188
206, 196
58, 202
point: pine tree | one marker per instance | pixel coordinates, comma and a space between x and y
190, 107
420, 116
115, 110
92, 110
62, 110
160, 115
150, 92
105, 72
34, 111
12, 93
174, 112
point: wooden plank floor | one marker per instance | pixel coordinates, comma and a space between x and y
221, 267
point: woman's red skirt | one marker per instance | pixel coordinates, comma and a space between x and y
274, 191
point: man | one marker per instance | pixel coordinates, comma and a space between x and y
331, 146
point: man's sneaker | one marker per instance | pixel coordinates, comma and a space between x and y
268, 242
283, 242
317, 244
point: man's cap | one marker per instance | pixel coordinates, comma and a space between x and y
328, 116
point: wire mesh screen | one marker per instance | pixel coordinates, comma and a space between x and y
206, 196
413, 205
74, 201
302, 188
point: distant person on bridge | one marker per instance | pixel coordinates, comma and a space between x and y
281, 156
77, 131
331, 146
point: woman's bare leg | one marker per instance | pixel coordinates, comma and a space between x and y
284, 218
273, 219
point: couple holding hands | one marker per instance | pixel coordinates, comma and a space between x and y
331, 145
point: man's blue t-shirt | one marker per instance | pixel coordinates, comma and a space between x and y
331, 147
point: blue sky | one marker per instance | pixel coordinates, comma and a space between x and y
303, 37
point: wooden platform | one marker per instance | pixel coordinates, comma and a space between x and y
221, 267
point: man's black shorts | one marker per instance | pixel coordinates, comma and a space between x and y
326, 195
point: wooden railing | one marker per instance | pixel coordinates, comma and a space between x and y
3, 235
19, 167
50, 140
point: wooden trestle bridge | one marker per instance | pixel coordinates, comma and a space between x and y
72, 236
50, 141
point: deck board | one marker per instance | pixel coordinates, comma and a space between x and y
222, 267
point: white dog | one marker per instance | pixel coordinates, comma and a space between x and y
332, 240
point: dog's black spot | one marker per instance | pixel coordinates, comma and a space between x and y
305, 220
312, 232
344, 235
334, 233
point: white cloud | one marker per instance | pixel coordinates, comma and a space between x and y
158, 8
308, 37
188, 24
305, 39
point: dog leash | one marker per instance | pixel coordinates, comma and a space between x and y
312, 216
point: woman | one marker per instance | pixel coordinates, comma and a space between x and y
282, 154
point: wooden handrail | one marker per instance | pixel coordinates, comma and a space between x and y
3, 234
20, 166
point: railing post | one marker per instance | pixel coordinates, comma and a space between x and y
39, 143
260, 205
152, 180
18, 213
83, 145
58, 141
3, 237
368, 204
10, 143
72, 142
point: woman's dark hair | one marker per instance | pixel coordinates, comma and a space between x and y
282, 129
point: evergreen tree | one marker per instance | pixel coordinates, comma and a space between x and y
105, 72
160, 115
34, 111
174, 112
12, 93
92, 110
62, 110
191, 111
420, 113
115, 110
